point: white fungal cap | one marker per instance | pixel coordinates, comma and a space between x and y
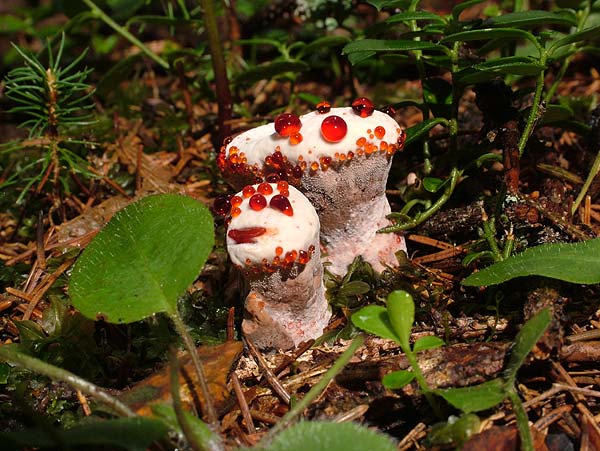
272, 224
320, 140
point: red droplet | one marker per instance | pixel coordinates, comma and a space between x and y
389, 110
281, 203
303, 257
248, 191
235, 212
379, 132
273, 177
287, 124
265, 188
401, 139
363, 107
236, 201
323, 107
296, 138
282, 186
247, 235
222, 204
278, 250
297, 172
334, 128
325, 162
257, 202
290, 257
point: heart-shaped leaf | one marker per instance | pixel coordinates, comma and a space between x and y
143, 260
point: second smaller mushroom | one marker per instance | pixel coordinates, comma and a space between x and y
273, 238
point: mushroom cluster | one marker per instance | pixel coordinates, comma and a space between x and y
273, 238
340, 159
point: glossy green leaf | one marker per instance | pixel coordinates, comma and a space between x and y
427, 342
133, 434
401, 312
407, 16
379, 4
143, 260
323, 43
487, 34
329, 436
270, 70
583, 35
375, 320
397, 379
353, 288
571, 262
432, 184
530, 19
389, 45
475, 398
525, 340
421, 129
358, 57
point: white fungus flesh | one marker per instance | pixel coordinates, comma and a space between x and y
273, 238
340, 159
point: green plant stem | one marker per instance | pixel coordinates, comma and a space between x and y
39, 366
414, 363
219, 67
522, 420
299, 407
188, 342
535, 107
454, 175
588, 182
98, 13
489, 231
177, 405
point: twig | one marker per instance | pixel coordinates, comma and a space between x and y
271, 378
239, 394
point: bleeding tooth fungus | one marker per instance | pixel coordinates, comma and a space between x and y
341, 164
274, 241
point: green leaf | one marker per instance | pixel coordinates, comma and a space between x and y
398, 379
417, 131
487, 34
583, 35
455, 430
556, 113
375, 320
385, 45
354, 287
475, 398
401, 312
133, 434
572, 262
380, 4
432, 184
525, 340
200, 429
407, 16
322, 43
530, 19
270, 70
427, 342
329, 436
143, 260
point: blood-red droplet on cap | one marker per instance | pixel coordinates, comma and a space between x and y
287, 124
363, 107
265, 188
334, 128
222, 204
257, 202
248, 191
281, 203
323, 107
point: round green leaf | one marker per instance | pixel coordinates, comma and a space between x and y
143, 260
329, 436
398, 379
427, 342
